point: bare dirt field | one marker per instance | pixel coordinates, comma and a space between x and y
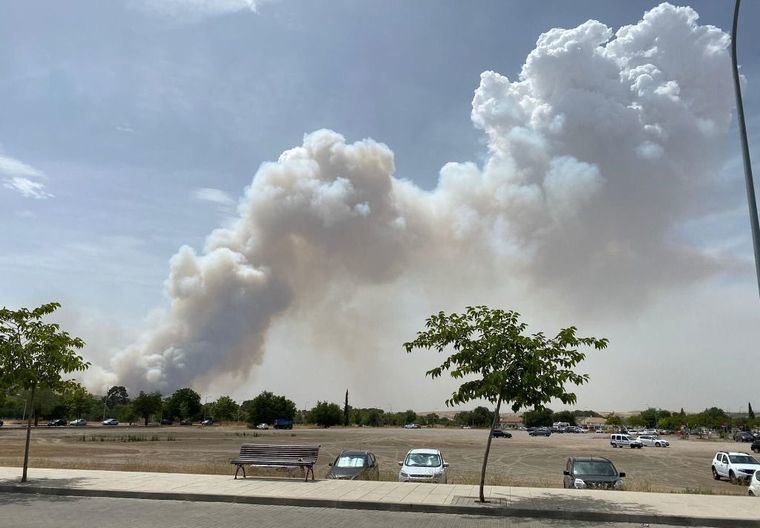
520, 461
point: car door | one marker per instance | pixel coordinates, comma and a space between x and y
374, 472
722, 466
568, 479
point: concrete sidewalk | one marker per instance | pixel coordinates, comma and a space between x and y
582, 505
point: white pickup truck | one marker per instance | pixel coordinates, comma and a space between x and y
734, 466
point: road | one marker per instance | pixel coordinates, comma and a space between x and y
36, 511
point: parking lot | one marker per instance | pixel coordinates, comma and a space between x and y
520, 460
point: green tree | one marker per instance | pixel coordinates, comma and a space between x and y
78, 400
35, 354
635, 420
346, 411
225, 409
481, 417
564, 416
266, 407
613, 419
374, 418
183, 403
502, 362
147, 405
116, 395
410, 416
326, 414
541, 417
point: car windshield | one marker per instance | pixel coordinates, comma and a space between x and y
742, 459
423, 460
350, 461
599, 467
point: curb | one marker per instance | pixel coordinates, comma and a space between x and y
492, 511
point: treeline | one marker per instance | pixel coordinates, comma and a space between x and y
546, 417
712, 418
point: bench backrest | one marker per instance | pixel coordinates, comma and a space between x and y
290, 452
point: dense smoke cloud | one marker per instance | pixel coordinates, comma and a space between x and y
596, 154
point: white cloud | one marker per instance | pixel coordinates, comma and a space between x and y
198, 7
215, 196
22, 178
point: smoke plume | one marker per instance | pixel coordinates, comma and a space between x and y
597, 152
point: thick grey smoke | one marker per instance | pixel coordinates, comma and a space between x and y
598, 151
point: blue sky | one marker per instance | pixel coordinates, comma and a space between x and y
144, 121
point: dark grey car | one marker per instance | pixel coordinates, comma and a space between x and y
592, 472
355, 465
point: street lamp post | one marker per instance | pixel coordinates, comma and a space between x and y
753, 217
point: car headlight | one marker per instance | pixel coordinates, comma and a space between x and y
403, 475
579, 484
618, 484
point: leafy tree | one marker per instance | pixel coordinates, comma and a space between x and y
614, 419
374, 418
481, 417
78, 401
183, 403
225, 409
410, 416
326, 414
266, 407
35, 354
116, 395
635, 420
431, 419
541, 417
147, 405
564, 416
507, 364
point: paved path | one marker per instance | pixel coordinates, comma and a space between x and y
44, 511
588, 505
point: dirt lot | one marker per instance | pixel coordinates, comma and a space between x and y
521, 460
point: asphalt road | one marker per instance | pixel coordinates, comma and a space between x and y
37, 511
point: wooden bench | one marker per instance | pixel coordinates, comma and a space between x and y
266, 455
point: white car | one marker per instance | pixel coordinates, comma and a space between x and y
423, 465
79, 422
754, 485
652, 440
110, 421
623, 440
411, 426
734, 466
262, 426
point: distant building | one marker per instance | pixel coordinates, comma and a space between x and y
511, 420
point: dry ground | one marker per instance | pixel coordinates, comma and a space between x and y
519, 461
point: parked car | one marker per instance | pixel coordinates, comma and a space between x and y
500, 433
167, 421
2, 423
754, 485
541, 431
755, 446
208, 421
110, 421
411, 426
743, 436
56, 422
423, 465
186, 421
262, 426
734, 466
79, 422
592, 472
354, 465
623, 440
652, 440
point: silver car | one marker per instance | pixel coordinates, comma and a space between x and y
423, 465
652, 440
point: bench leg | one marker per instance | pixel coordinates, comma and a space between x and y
238, 468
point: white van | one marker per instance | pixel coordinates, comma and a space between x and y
623, 440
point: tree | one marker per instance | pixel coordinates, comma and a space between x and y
35, 354
564, 416
541, 417
225, 409
614, 419
346, 411
502, 362
116, 395
326, 414
146, 405
266, 407
374, 418
77, 400
481, 416
183, 403
410, 417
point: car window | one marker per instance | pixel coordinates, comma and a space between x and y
742, 459
350, 461
423, 460
594, 467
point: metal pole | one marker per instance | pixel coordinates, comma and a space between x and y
753, 217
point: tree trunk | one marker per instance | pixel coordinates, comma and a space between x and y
488, 449
28, 434
146, 420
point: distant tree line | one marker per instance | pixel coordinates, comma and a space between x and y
712, 418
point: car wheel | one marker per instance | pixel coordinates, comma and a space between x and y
732, 477
750, 493
715, 474
657, 444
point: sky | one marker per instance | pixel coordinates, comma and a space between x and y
273, 195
